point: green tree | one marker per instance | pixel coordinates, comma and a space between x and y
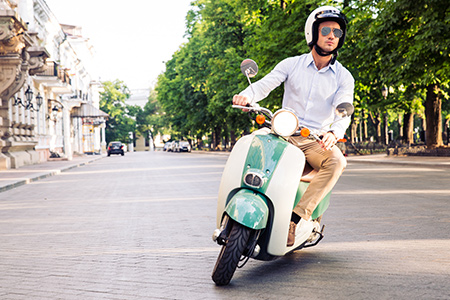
405, 44
148, 119
277, 32
121, 116
197, 87
399, 44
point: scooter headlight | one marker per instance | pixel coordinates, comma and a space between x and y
284, 122
254, 180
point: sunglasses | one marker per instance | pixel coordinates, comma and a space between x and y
336, 31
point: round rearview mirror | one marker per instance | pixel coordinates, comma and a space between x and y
249, 67
344, 109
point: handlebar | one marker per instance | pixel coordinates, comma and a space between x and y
256, 108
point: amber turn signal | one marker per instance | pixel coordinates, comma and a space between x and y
305, 132
260, 119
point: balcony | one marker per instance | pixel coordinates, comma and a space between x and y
56, 78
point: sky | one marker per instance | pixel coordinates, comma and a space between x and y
132, 39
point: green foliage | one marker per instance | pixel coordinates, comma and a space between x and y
196, 90
416, 35
401, 44
121, 116
278, 33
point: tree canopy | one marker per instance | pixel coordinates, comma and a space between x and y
121, 121
400, 46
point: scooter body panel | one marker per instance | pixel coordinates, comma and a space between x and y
280, 166
232, 175
249, 209
281, 192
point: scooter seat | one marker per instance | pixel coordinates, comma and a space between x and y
308, 173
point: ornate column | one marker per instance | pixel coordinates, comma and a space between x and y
103, 142
67, 141
15, 64
12, 76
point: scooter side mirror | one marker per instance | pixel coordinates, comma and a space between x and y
249, 68
344, 109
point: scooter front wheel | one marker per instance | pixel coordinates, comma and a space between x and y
230, 254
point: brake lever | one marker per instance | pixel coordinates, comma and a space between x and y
256, 107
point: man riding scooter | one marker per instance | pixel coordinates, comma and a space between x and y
314, 84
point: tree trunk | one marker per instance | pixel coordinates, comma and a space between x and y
199, 142
445, 136
400, 127
232, 138
433, 104
364, 122
377, 122
385, 129
216, 138
360, 125
408, 128
353, 127
226, 137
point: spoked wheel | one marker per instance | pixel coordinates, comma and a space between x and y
230, 254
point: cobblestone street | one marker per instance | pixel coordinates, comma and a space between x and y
139, 227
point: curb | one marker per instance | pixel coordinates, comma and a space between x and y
40, 176
430, 164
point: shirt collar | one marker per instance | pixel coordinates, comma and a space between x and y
310, 62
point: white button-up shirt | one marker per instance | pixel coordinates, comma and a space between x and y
313, 94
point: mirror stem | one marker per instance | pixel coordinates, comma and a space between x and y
251, 87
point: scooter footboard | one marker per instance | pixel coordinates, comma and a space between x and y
249, 209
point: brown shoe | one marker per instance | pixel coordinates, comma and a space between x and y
291, 234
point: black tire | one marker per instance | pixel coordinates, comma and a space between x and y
230, 254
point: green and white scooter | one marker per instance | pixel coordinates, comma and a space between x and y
260, 186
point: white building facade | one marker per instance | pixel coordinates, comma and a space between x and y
48, 90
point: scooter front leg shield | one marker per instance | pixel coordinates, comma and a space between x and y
249, 209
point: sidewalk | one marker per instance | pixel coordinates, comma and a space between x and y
422, 161
12, 178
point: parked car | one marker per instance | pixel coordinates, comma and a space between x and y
115, 148
167, 146
174, 146
183, 146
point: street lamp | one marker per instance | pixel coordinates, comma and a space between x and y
18, 101
39, 100
53, 116
384, 93
29, 96
55, 111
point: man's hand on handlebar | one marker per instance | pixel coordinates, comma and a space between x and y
328, 141
241, 101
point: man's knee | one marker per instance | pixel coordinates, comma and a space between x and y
338, 163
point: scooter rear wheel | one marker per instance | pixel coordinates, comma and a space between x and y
230, 254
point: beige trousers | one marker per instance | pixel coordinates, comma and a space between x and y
329, 164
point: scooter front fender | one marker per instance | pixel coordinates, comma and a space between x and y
249, 209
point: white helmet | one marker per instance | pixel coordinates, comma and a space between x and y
322, 14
